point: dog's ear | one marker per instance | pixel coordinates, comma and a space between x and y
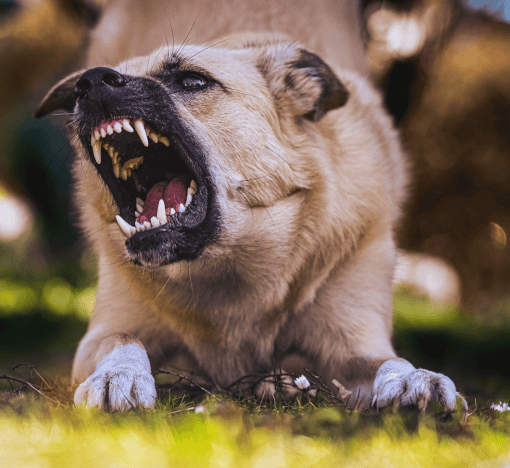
305, 80
61, 96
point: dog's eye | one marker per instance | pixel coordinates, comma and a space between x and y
191, 81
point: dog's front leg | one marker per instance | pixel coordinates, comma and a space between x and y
122, 378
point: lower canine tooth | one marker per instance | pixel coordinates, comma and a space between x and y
161, 212
126, 227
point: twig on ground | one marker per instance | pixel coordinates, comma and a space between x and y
35, 388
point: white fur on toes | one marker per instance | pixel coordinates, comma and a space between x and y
122, 380
400, 383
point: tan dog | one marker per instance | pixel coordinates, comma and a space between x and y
257, 191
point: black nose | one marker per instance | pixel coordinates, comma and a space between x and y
95, 78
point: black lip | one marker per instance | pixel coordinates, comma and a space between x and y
185, 237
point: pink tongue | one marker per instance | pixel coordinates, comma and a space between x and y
173, 193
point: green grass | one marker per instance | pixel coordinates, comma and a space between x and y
35, 431
48, 431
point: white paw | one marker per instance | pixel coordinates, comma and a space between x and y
398, 383
122, 380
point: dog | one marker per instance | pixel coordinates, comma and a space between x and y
242, 196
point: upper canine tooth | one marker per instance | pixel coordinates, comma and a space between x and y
117, 127
126, 126
165, 141
96, 149
161, 212
109, 129
140, 129
126, 227
103, 132
154, 137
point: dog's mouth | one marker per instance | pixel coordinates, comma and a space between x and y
160, 189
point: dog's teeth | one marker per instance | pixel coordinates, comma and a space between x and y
106, 146
116, 169
117, 127
126, 227
139, 227
147, 224
172, 211
126, 126
111, 152
188, 200
137, 214
182, 208
103, 132
140, 129
165, 141
139, 204
193, 185
96, 149
124, 174
154, 221
154, 137
109, 129
161, 212
97, 134
191, 191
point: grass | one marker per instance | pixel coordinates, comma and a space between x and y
189, 429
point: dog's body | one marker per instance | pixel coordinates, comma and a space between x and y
287, 242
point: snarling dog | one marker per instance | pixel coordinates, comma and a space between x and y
240, 197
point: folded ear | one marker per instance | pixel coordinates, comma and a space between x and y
61, 96
302, 78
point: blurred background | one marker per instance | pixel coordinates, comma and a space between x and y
444, 69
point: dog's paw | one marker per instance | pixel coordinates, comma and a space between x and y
398, 383
122, 381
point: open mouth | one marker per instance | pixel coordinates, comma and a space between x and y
159, 187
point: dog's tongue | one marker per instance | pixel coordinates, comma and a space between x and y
173, 193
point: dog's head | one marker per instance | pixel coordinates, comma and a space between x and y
182, 135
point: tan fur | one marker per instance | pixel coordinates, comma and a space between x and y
306, 254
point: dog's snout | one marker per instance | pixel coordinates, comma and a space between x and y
96, 78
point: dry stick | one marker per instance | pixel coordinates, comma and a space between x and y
28, 384
186, 378
35, 370
323, 387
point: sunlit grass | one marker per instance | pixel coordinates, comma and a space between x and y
37, 432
